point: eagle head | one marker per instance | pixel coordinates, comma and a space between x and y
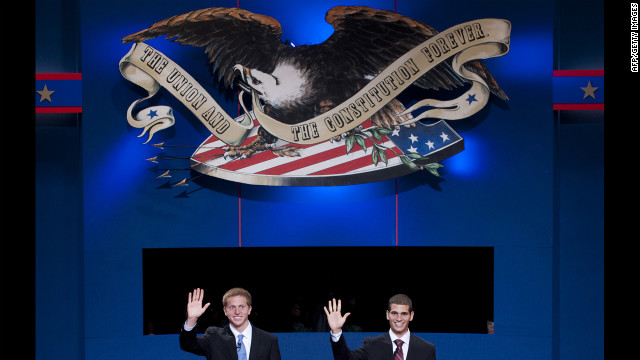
284, 88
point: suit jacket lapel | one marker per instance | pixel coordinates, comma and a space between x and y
230, 341
413, 347
255, 342
385, 341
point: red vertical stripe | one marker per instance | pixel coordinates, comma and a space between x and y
239, 185
396, 211
239, 214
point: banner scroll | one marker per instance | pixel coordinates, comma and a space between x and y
151, 69
479, 39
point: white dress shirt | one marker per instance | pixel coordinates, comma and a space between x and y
246, 339
405, 346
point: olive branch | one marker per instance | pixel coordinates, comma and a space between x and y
358, 136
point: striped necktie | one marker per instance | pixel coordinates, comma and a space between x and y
398, 355
242, 351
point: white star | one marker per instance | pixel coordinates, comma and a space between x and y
396, 132
413, 138
429, 144
412, 149
444, 137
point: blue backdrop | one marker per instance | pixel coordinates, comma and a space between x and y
519, 187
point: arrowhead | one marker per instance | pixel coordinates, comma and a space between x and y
165, 175
182, 183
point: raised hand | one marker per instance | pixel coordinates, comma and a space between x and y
334, 316
194, 306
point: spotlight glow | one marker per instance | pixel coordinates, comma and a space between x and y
468, 163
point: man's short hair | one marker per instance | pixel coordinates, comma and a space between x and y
236, 292
400, 299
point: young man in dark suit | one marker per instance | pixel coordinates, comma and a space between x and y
239, 340
397, 344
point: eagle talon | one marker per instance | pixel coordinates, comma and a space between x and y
259, 144
237, 154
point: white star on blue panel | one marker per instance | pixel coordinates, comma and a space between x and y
425, 139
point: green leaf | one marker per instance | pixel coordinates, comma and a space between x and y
383, 156
349, 143
376, 135
360, 142
405, 160
384, 131
433, 172
415, 155
374, 155
433, 168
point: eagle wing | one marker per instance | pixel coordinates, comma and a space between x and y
230, 36
368, 40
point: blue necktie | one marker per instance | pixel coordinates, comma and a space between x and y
242, 351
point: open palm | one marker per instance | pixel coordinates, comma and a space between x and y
334, 317
194, 305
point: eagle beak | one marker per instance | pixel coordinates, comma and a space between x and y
241, 73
